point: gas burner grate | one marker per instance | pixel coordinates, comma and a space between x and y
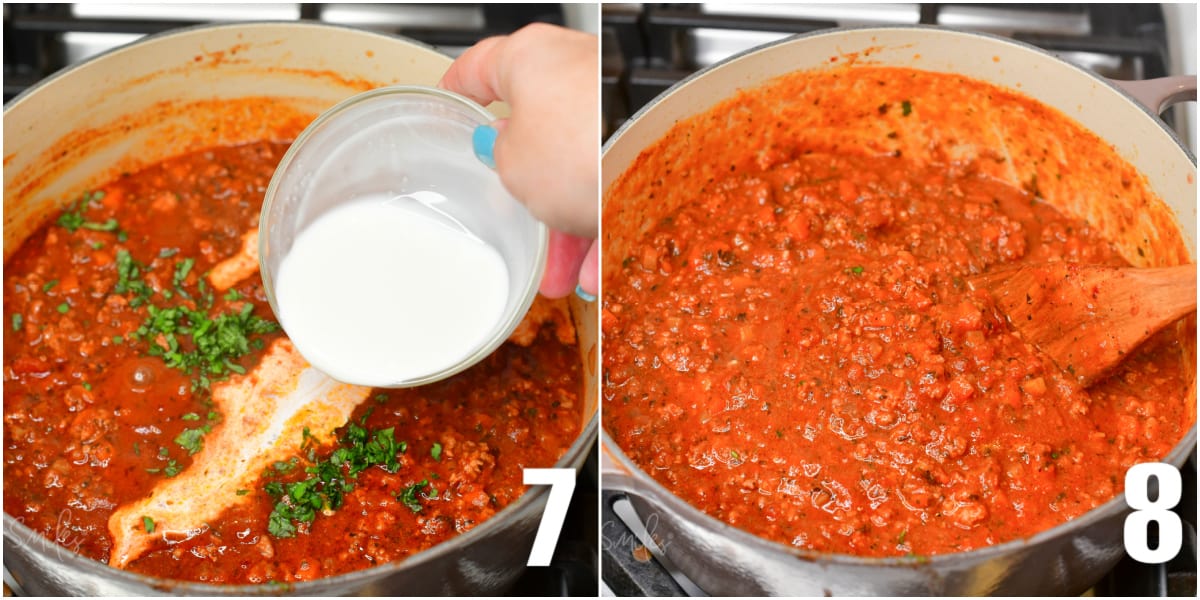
650, 47
628, 565
572, 571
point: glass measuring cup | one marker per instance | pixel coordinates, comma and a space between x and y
411, 145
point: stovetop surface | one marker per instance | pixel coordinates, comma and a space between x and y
646, 48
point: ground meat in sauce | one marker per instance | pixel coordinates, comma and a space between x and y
795, 351
88, 415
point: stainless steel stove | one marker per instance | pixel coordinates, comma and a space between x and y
646, 48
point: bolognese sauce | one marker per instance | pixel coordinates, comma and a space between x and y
793, 348
114, 339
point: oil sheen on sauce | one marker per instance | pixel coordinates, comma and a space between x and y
385, 290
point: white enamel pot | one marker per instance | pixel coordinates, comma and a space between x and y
168, 94
1066, 559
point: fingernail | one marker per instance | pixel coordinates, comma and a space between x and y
584, 295
484, 142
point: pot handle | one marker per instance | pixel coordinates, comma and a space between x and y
1160, 94
10, 580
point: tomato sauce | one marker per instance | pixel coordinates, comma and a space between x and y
92, 420
792, 346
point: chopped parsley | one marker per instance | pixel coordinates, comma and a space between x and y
129, 272
243, 492
906, 108
409, 496
190, 417
366, 450
215, 342
49, 285
72, 218
279, 524
233, 295
64, 307
172, 469
328, 481
109, 225
300, 502
17, 321
168, 252
182, 268
148, 523
283, 467
436, 451
192, 440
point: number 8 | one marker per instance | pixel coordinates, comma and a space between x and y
1137, 496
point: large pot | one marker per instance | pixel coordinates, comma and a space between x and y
1067, 559
204, 86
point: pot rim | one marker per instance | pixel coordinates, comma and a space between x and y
204, 28
573, 457
659, 494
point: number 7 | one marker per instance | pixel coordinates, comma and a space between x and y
562, 486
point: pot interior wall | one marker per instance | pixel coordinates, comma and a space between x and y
179, 92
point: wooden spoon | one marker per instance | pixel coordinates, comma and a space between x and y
1089, 318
